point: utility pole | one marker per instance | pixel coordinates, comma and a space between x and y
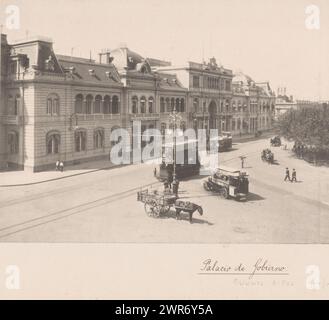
175, 117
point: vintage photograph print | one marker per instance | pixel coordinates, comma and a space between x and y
164, 121
151, 122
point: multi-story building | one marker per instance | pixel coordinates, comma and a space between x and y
253, 105
209, 93
62, 107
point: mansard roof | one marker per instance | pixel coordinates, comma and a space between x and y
125, 59
89, 71
170, 82
242, 78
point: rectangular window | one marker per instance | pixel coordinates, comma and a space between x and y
222, 84
196, 82
13, 67
227, 85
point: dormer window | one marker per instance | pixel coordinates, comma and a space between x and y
108, 74
92, 72
50, 64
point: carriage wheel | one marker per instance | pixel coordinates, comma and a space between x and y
149, 208
206, 186
224, 193
165, 209
157, 209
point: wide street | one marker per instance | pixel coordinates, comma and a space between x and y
102, 206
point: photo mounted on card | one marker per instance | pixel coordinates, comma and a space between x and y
164, 149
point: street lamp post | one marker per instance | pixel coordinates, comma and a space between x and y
174, 118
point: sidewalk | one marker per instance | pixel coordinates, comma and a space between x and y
251, 137
23, 178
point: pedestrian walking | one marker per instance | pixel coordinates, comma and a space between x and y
170, 180
287, 175
155, 172
242, 161
57, 165
293, 176
61, 166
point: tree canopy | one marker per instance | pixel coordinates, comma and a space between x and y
308, 126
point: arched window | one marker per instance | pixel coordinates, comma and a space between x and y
80, 140
98, 104
52, 142
115, 104
143, 104
177, 102
78, 103
134, 107
99, 138
172, 105
227, 105
106, 106
89, 104
114, 142
195, 105
162, 105
151, 102
168, 104
53, 104
182, 105
13, 140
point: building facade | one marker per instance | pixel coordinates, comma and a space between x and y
253, 105
62, 107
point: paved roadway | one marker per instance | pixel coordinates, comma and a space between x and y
102, 206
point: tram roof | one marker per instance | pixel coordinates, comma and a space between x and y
231, 171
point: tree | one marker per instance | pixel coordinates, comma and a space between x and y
308, 126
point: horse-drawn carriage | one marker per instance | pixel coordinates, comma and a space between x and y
268, 156
275, 141
157, 203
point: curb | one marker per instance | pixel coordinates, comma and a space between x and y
59, 178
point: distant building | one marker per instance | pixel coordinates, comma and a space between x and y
253, 105
283, 103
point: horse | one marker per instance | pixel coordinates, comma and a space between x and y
188, 207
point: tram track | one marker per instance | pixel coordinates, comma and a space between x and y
65, 213
63, 190
19, 227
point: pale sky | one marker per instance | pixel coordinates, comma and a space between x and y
266, 39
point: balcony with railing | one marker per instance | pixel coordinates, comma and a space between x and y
144, 116
98, 116
12, 119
